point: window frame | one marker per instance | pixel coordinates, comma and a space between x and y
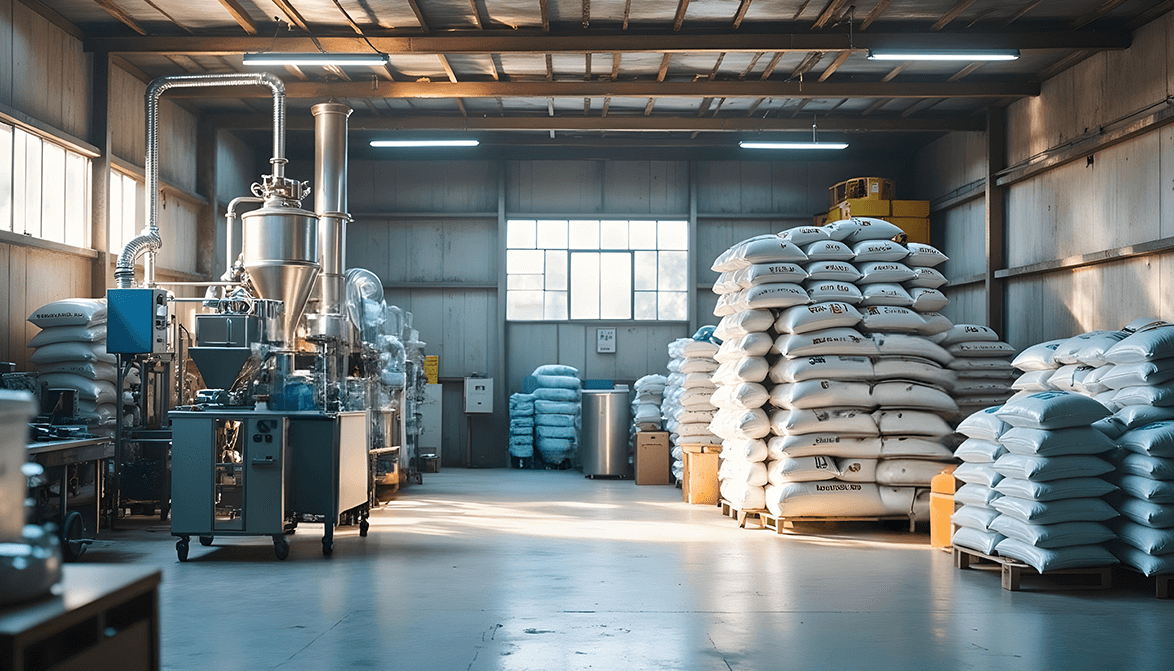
570, 250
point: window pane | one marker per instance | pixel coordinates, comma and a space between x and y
114, 233
53, 192
556, 270
523, 305
131, 205
672, 235
519, 234
616, 271
530, 282
673, 305
556, 305
613, 235
584, 285
584, 234
27, 184
5, 177
77, 200
645, 272
673, 271
523, 261
552, 235
641, 235
645, 305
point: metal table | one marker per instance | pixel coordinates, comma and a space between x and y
64, 453
104, 617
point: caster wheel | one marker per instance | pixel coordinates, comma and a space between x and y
327, 548
181, 549
364, 527
205, 541
281, 547
72, 545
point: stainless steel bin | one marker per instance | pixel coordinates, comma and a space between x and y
606, 420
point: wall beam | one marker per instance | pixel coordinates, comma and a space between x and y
996, 158
100, 173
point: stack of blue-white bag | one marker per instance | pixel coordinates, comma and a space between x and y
557, 401
521, 427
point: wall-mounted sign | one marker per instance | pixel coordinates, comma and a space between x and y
605, 340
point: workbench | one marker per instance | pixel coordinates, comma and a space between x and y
104, 617
61, 454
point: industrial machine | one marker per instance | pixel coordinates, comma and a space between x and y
304, 366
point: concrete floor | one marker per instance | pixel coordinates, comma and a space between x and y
478, 570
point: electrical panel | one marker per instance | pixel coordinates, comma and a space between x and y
478, 395
136, 321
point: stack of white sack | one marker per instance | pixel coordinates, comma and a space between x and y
557, 401
686, 408
1128, 371
983, 371
1046, 487
646, 405
826, 422
522, 426
70, 353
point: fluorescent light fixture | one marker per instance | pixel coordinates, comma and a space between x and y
943, 54
315, 58
792, 145
425, 143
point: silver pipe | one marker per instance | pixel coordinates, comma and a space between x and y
149, 241
232, 240
330, 202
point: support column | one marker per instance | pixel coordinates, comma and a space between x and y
693, 256
996, 248
501, 370
100, 175
207, 260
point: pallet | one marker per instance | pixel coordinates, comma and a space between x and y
777, 524
743, 516
1014, 570
1161, 582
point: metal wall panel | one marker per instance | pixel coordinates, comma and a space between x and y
43, 71
963, 236
425, 250
422, 186
967, 304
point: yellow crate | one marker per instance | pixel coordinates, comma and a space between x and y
916, 228
864, 207
910, 208
871, 188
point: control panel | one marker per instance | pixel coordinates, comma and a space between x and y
478, 395
137, 321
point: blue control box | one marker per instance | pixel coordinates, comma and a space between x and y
136, 321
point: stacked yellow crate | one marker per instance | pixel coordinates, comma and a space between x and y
872, 197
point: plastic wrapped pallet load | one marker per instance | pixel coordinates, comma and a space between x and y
556, 412
521, 426
1036, 498
70, 353
686, 407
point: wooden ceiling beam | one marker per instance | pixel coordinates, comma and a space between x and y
679, 19
292, 14
952, 14
113, 9
239, 15
452, 76
829, 12
875, 13
476, 15
632, 89
496, 42
741, 14
420, 16
1095, 14
835, 65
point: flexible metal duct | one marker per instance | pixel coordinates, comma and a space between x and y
148, 241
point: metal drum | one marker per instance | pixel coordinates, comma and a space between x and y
604, 439
280, 250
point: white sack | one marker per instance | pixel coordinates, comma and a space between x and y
817, 317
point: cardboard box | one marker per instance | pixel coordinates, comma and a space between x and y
910, 208
700, 484
864, 207
653, 458
876, 188
916, 228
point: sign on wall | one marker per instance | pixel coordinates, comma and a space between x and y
605, 340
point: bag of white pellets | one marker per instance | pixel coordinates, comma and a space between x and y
70, 312
976, 539
1148, 345
973, 450
770, 250
1042, 469
1043, 559
746, 449
744, 395
1138, 374
879, 250
817, 317
907, 472
911, 423
984, 425
779, 296
803, 235
749, 345
1155, 440
812, 394
924, 255
801, 469
868, 228
891, 318
838, 341
885, 293
836, 271
1056, 443
928, 300
914, 447
833, 445
828, 250
824, 499
857, 469
823, 291
873, 272
1038, 357
1049, 536
742, 496
902, 394
771, 273
740, 424
904, 345
935, 323
1052, 410
745, 369
742, 323
925, 277
844, 421
831, 367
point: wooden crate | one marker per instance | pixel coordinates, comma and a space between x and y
1161, 582
861, 187
1013, 570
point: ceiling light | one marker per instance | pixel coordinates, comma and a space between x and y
792, 145
314, 58
425, 143
943, 54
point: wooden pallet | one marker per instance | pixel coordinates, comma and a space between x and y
1013, 570
743, 516
777, 524
1161, 582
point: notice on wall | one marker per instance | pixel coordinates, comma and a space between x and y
605, 340
432, 368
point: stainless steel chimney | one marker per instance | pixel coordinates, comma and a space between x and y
330, 204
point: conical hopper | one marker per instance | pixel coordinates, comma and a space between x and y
280, 250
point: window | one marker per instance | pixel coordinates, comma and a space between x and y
127, 213
44, 188
596, 269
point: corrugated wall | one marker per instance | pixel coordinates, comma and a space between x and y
1123, 195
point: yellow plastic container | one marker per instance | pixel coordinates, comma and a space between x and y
941, 507
910, 208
